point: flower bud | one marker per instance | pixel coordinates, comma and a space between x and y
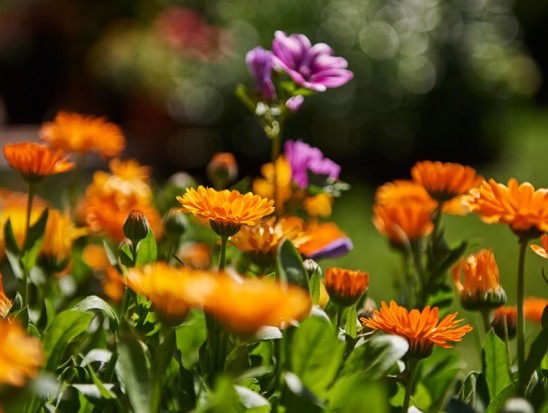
175, 222
345, 287
505, 315
310, 266
222, 170
136, 226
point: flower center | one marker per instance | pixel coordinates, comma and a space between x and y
305, 71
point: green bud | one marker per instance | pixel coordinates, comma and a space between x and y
175, 222
136, 226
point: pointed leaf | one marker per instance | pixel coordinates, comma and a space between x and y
290, 265
494, 364
498, 401
33, 241
95, 303
147, 250
351, 318
12, 250
315, 286
538, 350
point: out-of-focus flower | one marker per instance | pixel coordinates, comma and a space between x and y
294, 103
259, 63
533, 308
318, 205
59, 236
326, 241
445, 181
196, 255
5, 302
422, 329
20, 354
73, 132
403, 222
304, 158
481, 286
345, 287
175, 223
265, 186
34, 162
542, 251
505, 315
246, 306
113, 284
519, 205
222, 170
313, 67
226, 210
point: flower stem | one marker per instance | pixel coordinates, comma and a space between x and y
411, 366
222, 257
340, 311
26, 284
523, 242
274, 154
485, 318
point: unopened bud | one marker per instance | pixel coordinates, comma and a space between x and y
222, 170
175, 222
505, 318
136, 226
310, 266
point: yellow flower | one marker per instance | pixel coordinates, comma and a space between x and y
34, 161
318, 205
5, 302
265, 186
445, 181
73, 132
422, 329
519, 205
345, 287
20, 355
481, 286
403, 222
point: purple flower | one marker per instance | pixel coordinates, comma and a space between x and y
313, 67
259, 61
303, 158
294, 103
334, 249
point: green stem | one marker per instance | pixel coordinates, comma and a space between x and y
26, 284
422, 293
222, 257
275, 153
523, 242
340, 310
437, 220
411, 366
485, 318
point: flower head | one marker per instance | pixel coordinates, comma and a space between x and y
326, 241
73, 132
265, 186
20, 354
519, 205
196, 255
505, 315
445, 181
5, 302
222, 170
311, 66
542, 251
259, 63
403, 222
345, 287
481, 286
422, 329
304, 158
318, 205
34, 162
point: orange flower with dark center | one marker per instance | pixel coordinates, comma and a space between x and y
34, 162
505, 315
422, 329
403, 222
533, 308
73, 132
345, 287
445, 180
5, 302
542, 251
226, 208
20, 354
481, 286
519, 205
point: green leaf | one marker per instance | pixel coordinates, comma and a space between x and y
538, 350
376, 356
12, 250
498, 401
93, 302
351, 318
147, 250
351, 394
494, 363
316, 354
474, 391
298, 398
33, 241
125, 255
290, 265
315, 286
160, 361
133, 372
252, 400
62, 331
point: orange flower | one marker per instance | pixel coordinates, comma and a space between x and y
422, 329
20, 355
403, 222
445, 181
505, 315
326, 241
265, 186
73, 132
246, 306
112, 283
34, 161
519, 205
226, 209
345, 287
5, 302
533, 308
542, 251
318, 205
196, 255
222, 169
481, 281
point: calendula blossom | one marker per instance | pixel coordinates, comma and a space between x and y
541, 250
327, 240
422, 329
403, 223
345, 287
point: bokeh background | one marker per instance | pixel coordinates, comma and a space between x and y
450, 80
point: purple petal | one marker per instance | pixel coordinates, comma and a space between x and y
259, 62
291, 50
332, 78
294, 103
334, 249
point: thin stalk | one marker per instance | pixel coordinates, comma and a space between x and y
26, 284
222, 257
412, 366
340, 310
274, 154
523, 242
437, 220
485, 318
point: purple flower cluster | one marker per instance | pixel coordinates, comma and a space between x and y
310, 66
303, 158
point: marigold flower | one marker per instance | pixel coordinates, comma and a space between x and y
445, 180
196, 255
533, 308
345, 287
422, 329
265, 186
542, 251
5, 302
403, 222
318, 205
113, 284
20, 354
326, 241
481, 281
222, 170
519, 205
505, 315
227, 208
73, 132
246, 306
34, 162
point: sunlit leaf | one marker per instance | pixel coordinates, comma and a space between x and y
147, 250
351, 322
93, 302
351, 394
12, 250
33, 241
494, 363
290, 265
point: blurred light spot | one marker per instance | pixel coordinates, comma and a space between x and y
192, 147
417, 74
379, 40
